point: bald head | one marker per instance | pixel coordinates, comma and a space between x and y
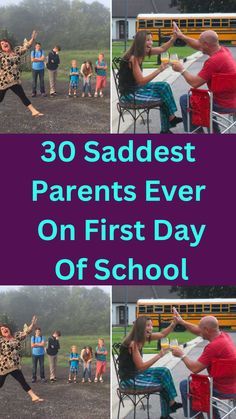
210, 322
210, 37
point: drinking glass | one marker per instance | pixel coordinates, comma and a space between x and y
165, 58
165, 343
174, 58
174, 344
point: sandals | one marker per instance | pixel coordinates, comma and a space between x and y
36, 115
38, 400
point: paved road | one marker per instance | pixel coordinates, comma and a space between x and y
179, 372
179, 86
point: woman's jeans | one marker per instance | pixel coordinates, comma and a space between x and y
87, 86
87, 370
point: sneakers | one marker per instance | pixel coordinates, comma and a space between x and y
95, 380
175, 406
33, 95
89, 381
69, 381
44, 94
83, 95
166, 132
33, 380
101, 94
83, 380
95, 94
175, 121
43, 380
101, 380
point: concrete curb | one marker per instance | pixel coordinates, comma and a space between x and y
167, 361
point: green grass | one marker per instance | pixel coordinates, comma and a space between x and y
150, 62
65, 343
66, 57
149, 348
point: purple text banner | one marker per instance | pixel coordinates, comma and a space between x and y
117, 209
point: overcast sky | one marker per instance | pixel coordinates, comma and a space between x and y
6, 2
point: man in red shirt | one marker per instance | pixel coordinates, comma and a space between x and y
220, 61
220, 346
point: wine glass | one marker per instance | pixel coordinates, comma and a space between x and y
174, 58
165, 343
165, 58
174, 344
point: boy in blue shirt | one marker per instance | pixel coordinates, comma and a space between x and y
74, 78
37, 345
74, 364
37, 60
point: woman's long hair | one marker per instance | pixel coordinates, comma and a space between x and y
138, 332
138, 47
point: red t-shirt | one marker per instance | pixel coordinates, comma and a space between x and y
221, 347
220, 62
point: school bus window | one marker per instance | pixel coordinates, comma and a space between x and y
206, 308
142, 309
207, 22
225, 22
182, 309
232, 23
149, 23
158, 309
158, 23
215, 23
167, 309
191, 23
215, 308
232, 308
190, 308
142, 23
198, 308
182, 23
149, 309
167, 23
198, 23
225, 308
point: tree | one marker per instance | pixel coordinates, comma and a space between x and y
7, 35
203, 6
205, 292
5, 319
73, 310
72, 24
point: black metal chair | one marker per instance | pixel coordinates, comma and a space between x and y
136, 110
134, 394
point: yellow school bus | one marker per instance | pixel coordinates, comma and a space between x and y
161, 310
191, 24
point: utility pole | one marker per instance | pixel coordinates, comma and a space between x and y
126, 310
126, 20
